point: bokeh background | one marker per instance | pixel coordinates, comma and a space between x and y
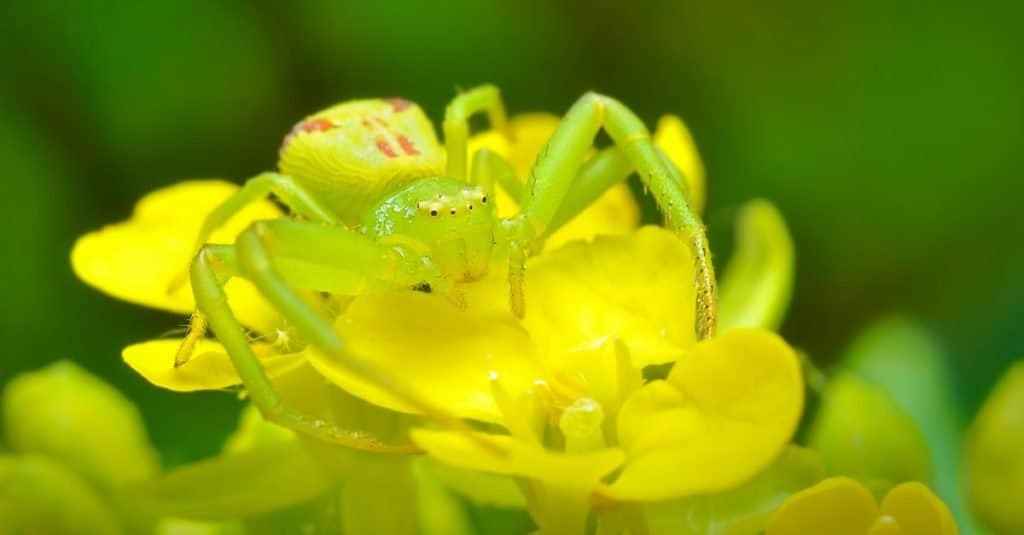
889, 133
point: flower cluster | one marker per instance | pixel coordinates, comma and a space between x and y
597, 406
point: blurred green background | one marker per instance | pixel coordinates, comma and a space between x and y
888, 133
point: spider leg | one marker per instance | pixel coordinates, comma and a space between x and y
484, 98
489, 167
599, 174
211, 268
288, 191
340, 261
264, 243
284, 187
558, 166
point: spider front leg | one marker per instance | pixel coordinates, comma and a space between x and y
606, 169
559, 164
284, 187
266, 247
212, 267
485, 98
489, 167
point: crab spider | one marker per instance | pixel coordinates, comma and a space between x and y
377, 203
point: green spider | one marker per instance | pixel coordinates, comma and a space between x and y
376, 204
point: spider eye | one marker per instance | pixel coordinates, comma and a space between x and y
433, 212
453, 211
469, 206
483, 199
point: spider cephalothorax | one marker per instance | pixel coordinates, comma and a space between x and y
442, 219
376, 202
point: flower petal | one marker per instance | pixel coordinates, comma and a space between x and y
745, 509
724, 413
518, 458
675, 139
614, 213
837, 506
209, 369
636, 288
918, 511
136, 260
886, 525
445, 354
561, 485
758, 281
481, 488
603, 373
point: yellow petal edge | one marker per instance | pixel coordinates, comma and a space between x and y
136, 260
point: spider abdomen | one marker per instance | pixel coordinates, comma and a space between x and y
355, 153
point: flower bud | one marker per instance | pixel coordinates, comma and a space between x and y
38, 495
69, 415
862, 433
995, 466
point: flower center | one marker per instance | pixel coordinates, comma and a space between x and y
581, 424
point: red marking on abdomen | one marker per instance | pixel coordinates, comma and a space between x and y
313, 125
399, 104
407, 146
317, 125
385, 147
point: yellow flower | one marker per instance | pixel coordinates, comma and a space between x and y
598, 313
566, 381
842, 506
561, 392
136, 260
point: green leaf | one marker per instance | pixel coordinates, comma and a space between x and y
38, 495
861, 432
901, 357
995, 456
259, 480
743, 510
758, 281
66, 413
